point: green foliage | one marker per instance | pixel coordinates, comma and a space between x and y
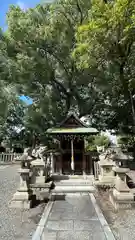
101, 140
126, 140
97, 140
90, 146
40, 46
74, 53
106, 42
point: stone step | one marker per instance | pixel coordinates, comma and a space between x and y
68, 177
73, 189
73, 182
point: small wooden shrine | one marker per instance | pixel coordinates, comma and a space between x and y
72, 158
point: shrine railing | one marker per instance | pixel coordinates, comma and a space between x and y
96, 169
9, 157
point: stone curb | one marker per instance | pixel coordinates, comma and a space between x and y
40, 228
9, 163
108, 233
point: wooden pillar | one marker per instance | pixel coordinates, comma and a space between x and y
91, 164
84, 164
72, 156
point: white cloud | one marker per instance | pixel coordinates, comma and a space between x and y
22, 5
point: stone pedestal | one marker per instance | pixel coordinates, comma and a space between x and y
106, 165
40, 189
121, 197
21, 198
38, 169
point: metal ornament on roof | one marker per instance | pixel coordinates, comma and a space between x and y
72, 110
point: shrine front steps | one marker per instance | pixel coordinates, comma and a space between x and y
73, 185
57, 177
73, 189
74, 182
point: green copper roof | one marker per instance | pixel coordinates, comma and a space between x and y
72, 130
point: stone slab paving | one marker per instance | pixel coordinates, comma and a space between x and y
15, 224
74, 218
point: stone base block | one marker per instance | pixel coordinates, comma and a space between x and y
45, 194
21, 196
106, 179
20, 204
21, 200
123, 196
104, 184
120, 204
42, 194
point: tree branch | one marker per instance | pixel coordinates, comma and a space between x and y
80, 11
59, 84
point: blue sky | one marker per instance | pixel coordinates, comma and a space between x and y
4, 6
25, 99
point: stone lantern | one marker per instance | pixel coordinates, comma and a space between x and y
121, 196
106, 164
38, 169
22, 198
40, 188
121, 159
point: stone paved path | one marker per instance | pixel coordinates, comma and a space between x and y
74, 218
14, 223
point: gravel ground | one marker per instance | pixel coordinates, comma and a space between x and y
15, 224
122, 222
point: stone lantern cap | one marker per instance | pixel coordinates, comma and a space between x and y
38, 162
120, 156
121, 170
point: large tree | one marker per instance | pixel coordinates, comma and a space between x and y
106, 42
77, 54
40, 42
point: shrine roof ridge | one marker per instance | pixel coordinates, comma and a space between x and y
70, 115
72, 130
